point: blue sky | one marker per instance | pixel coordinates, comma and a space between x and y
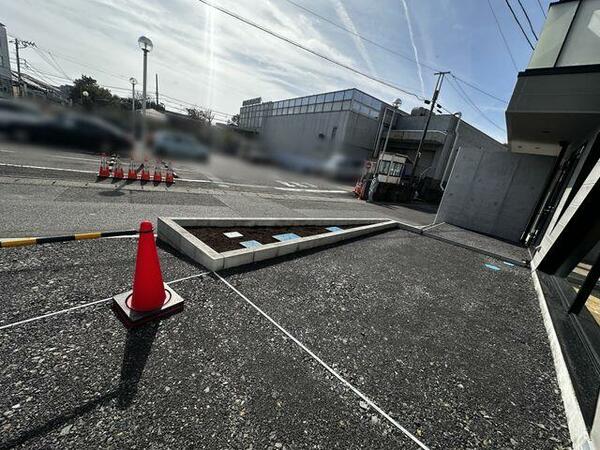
207, 58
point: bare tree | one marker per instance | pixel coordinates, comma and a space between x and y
203, 115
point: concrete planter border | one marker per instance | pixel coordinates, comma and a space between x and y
171, 230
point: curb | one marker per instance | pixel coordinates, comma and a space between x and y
21, 242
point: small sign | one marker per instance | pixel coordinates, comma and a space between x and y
233, 234
251, 244
286, 236
252, 101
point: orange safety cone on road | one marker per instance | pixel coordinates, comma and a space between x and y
104, 171
157, 172
145, 175
169, 177
150, 298
131, 173
118, 169
148, 292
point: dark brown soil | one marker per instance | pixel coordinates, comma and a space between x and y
214, 237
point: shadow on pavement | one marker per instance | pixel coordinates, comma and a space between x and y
137, 349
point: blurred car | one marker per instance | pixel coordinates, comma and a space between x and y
72, 130
181, 145
343, 167
254, 153
17, 117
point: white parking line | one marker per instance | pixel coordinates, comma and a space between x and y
25, 166
95, 302
78, 159
327, 367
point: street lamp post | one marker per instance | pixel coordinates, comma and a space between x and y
133, 82
146, 45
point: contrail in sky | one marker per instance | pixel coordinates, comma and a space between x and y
348, 23
414, 46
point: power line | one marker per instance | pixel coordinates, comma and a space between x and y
465, 97
519, 23
542, 9
528, 19
313, 52
383, 47
512, 58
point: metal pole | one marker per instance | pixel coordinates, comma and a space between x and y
156, 89
19, 88
143, 137
378, 140
133, 110
436, 92
387, 137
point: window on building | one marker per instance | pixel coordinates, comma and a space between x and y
303, 109
320, 98
312, 99
338, 96
346, 105
296, 109
348, 94
327, 107
396, 169
311, 108
337, 106
384, 167
319, 107
304, 101
329, 97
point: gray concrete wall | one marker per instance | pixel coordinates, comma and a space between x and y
293, 140
435, 157
494, 193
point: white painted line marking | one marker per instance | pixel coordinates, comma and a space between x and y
77, 158
431, 226
96, 302
285, 183
326, 366
25, 166
7, 151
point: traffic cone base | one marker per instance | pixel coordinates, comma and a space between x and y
150, 297
131, 318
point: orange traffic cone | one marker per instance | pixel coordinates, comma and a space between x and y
169, 177
104, 171
157, 172
148, 292
150, 298
118, 169
145, 175
131, 173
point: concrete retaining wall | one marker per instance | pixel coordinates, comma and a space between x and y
494, 193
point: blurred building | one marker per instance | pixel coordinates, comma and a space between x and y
338, 131
305, 132
5, 72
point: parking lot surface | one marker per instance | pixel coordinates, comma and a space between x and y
454, 353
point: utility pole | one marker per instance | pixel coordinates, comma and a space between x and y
436, 93
20, 44
157, 90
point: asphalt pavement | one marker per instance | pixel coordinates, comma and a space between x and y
45, 192
392, 341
